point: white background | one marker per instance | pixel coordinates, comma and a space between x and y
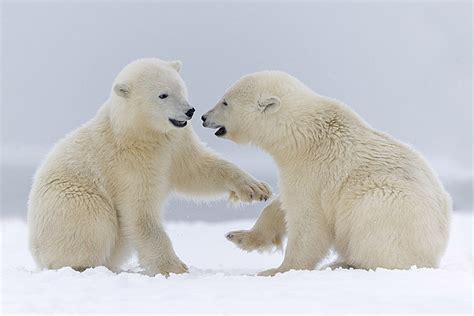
405, 67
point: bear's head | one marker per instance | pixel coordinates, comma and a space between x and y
150, 93
253, 109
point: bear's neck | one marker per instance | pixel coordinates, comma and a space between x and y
127, 130
327, 131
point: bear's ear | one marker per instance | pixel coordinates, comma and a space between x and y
122, 90
176, 65
269, 105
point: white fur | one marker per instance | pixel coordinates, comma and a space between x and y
343, 184
99, 193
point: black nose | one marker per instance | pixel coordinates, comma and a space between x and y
190, 112
203, 118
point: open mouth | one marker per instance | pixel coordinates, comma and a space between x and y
221, 131
178, 123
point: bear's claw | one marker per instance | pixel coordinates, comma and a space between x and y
251, 191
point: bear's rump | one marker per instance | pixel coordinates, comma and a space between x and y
390, 232
71, 225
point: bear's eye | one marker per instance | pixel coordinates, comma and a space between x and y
225, 103
163, 96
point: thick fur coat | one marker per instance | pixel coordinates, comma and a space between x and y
98, 195
343, 184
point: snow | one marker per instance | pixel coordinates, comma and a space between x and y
221, 279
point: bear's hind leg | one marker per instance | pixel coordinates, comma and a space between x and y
392, 233
77, 229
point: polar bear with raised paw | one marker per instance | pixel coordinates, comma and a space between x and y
98, 195
344, 185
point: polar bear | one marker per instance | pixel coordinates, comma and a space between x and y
99, 193
344, 185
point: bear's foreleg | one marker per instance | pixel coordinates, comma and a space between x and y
309, 240
268, 232
155, 251
202, 172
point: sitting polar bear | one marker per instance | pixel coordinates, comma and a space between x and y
343, 184
99, 193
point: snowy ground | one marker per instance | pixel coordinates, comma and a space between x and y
222, 280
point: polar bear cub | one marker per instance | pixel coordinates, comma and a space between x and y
99, 193
343, 184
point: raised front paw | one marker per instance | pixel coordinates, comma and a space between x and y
250, 190
173, 265
250, 240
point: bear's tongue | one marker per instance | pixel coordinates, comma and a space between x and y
221, 131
